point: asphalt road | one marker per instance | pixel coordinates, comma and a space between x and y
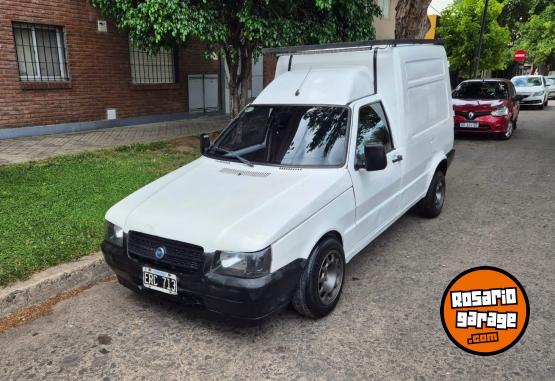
500, 211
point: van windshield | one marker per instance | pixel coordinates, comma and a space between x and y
527, 81
481, 90
286, 135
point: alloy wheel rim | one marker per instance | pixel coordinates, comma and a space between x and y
509, 130
330, 277
439, 194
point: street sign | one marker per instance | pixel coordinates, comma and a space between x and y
520, 56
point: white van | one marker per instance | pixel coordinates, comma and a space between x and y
343, 142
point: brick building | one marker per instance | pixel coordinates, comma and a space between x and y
61, 62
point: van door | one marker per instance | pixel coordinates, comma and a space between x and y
376, 192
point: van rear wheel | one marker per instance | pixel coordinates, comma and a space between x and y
321, 283
432, 204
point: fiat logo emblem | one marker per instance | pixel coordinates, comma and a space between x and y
160, 252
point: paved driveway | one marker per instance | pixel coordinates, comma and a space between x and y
500, 211
42, 147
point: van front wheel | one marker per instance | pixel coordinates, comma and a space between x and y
431, 205
321, 283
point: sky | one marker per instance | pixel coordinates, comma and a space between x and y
438, 5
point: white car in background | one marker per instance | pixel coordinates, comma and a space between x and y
535, 89
551, 86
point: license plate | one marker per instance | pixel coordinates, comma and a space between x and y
470, 125
160, 281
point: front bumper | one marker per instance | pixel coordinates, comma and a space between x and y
533, 101
241, 298
487, 124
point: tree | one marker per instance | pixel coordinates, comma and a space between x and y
411, 18
516, 12
237, 30
537, 37
460, 31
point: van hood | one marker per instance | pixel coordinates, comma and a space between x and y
477, 104
229, 206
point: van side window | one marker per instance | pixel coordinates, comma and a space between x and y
372, 128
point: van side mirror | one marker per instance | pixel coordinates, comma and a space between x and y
375, 158
204, 143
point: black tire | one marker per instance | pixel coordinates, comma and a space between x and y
541, 107
431, 205
308, 300
507, 135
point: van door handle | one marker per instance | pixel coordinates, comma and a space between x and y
397, 158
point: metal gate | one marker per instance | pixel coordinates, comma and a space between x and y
203, 92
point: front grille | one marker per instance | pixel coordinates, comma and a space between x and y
180, 256
476, 113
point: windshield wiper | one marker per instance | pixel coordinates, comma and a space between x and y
238, 157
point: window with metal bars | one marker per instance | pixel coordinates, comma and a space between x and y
41, 53
152, 69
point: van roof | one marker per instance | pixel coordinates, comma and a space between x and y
320, 85
338, 74
346, 46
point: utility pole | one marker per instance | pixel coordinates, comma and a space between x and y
479, 50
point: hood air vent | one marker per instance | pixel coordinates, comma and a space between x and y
237, 172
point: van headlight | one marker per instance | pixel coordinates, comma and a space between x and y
243, 265
501, 111
538, 94
114, 234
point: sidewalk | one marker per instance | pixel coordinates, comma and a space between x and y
41, 147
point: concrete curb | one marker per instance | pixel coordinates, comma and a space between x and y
67, 128
84, 272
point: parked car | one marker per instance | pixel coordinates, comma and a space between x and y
339, 146
487, 107
534, 88
550, 81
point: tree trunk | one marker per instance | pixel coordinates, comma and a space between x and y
411, 18
239, 72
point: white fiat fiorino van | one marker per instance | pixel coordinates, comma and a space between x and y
343, 142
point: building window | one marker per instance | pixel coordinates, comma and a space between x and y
41, 53
151, 69
384, 6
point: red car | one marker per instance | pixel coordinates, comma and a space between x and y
489, 106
